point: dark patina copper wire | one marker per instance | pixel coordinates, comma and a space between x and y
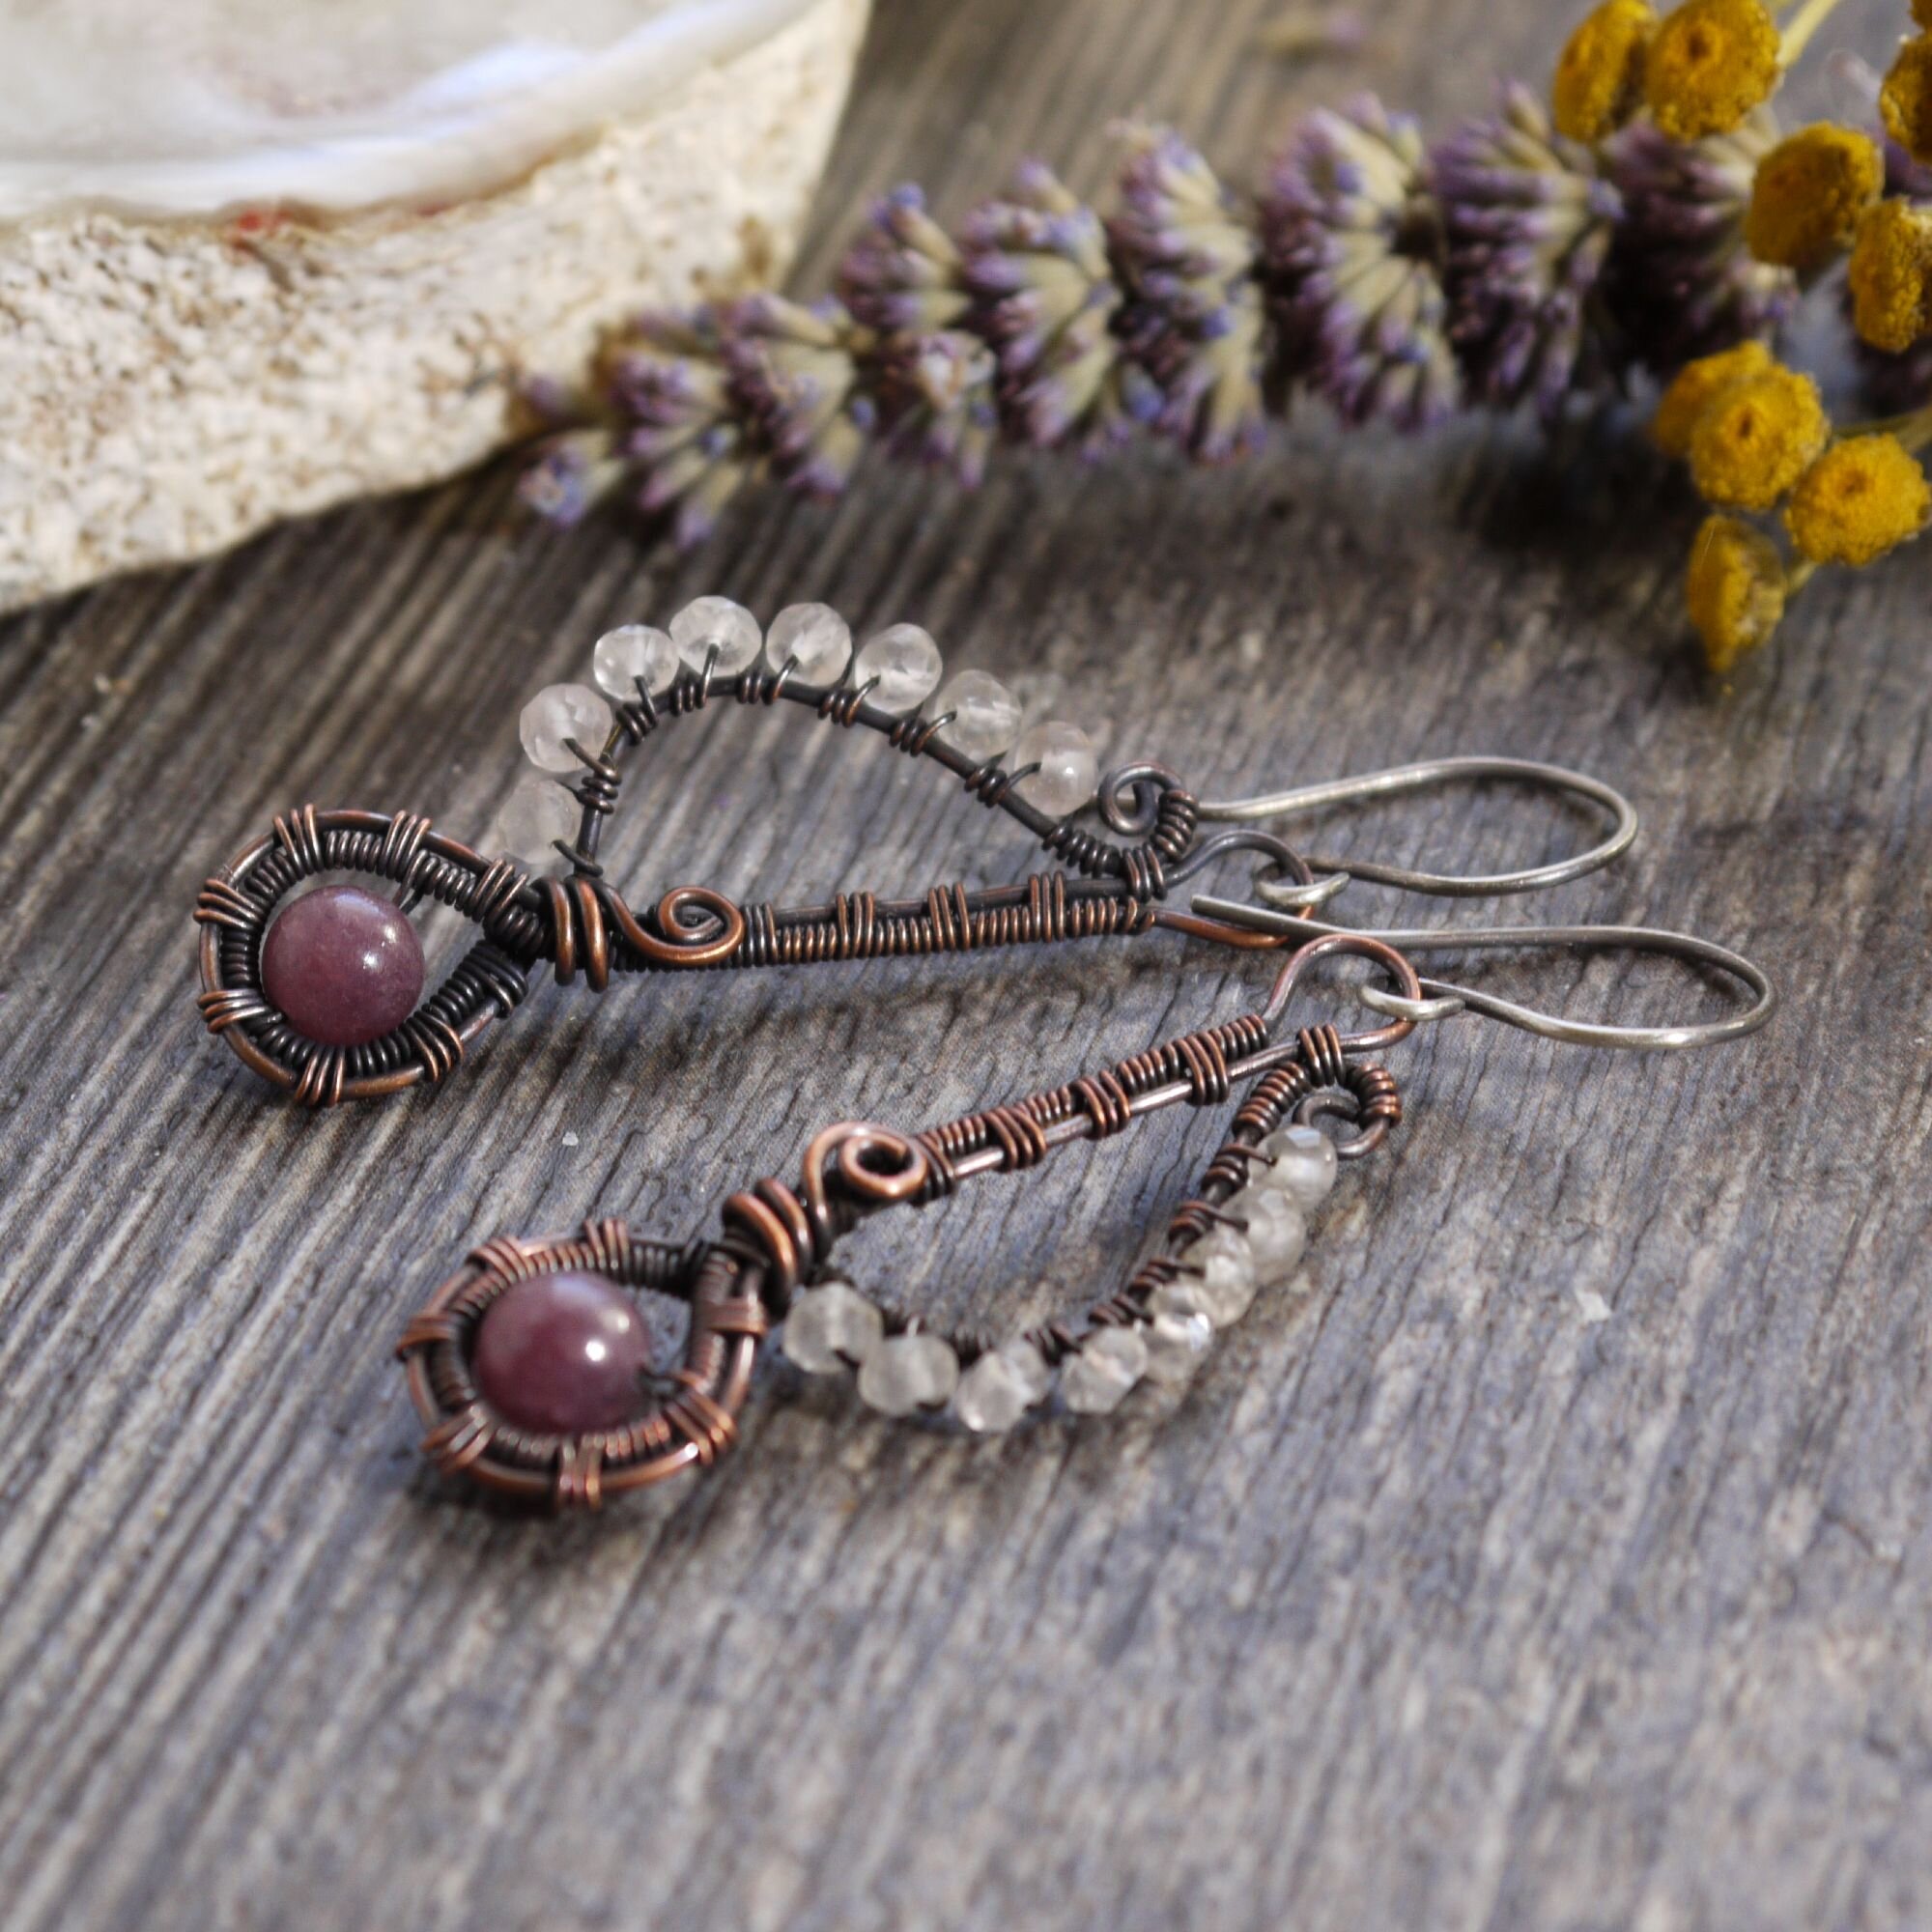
582, 925
778, 1237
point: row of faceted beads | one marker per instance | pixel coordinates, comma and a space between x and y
901, 663
834, 1326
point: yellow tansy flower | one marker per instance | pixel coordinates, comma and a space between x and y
1733, 589
1906, 99
1862, 498
1890, 267
1599, 81
1757, 439
1709, 64
1698, 385
1811, 191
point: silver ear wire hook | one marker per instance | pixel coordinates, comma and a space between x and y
1445, 1000
1401, 779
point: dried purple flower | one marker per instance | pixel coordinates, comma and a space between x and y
1356, 251
1036, 261
1530, 221
1682, 282
939, 398
1195, 319
570, 474
905, 278
576, 461
903, 275
690, 433
798, 379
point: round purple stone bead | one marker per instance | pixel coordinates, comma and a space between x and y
344, 966
562, 1354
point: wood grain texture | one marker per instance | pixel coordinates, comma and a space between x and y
1562, 1560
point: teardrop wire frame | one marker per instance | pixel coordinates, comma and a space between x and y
689, 1428
779, 1236
234, 907
581, 921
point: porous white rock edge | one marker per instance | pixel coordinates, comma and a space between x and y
170, 387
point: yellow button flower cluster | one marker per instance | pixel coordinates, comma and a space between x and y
1811, 192
1600, 78
1712, 61
1700, 70
1890, 276
1906, 99
1735, 589
1756, 434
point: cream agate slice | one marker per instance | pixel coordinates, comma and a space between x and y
260, 255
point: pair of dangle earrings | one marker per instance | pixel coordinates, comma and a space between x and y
532, 1366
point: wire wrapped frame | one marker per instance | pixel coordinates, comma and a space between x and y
581, 922
239, 901
779, 1236
689, 1428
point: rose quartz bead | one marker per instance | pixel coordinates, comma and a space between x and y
562, 1354
344, 966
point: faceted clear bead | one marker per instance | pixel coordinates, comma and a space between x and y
1304, 1166
1227, 1282
1000, 1387
631, 655
816, 636
1277, 1236
710, 624
537, 812
1110, 1362
909, 1372
558, 712
826, 1328
905, 662
1029, 1366
1178, 1334
1068, 771
986, 716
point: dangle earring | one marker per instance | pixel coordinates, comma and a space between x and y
531, 1369
321, 991
531, 1366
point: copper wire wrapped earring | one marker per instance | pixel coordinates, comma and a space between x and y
323, 991
532, 1379
529, 1367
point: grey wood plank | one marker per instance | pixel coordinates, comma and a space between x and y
1561, 1560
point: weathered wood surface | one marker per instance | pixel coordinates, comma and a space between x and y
1561, 1561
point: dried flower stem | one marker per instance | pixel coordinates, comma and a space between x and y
1651, 219
1799, 30
1911, 427
1396, 281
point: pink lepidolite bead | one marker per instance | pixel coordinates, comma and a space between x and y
562, 1354
343, 965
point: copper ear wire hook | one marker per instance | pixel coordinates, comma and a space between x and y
1337, 942
1288, 918
1445, 1000
1401, 779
